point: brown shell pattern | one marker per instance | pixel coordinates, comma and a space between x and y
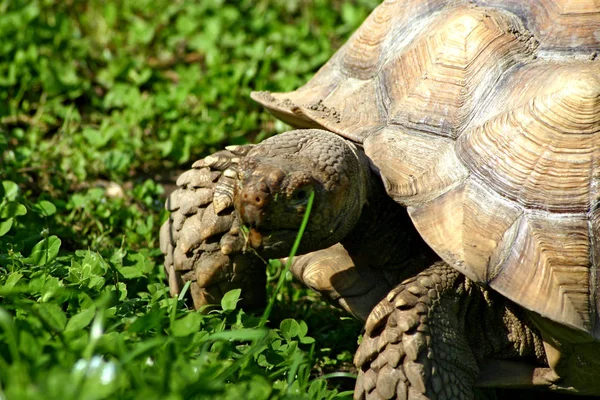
484, 119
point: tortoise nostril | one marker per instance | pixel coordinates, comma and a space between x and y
255, 196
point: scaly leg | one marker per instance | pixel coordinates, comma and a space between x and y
432, 334
415, 346
202, 241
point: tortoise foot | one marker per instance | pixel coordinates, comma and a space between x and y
202, 240
414, 346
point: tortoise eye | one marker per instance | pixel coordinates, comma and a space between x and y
301, 194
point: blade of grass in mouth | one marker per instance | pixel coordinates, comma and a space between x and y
290, 259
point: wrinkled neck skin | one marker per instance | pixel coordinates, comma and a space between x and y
275, 180
384, 236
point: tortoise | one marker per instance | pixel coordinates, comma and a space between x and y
453, 150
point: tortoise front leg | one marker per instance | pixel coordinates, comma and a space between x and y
336, 276
202, 241
415, 345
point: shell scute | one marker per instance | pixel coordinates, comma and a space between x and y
562, 26
465, 227
415, 168
542, 148
435, 84
548, 269
364, 51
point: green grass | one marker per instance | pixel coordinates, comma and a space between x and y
100, 104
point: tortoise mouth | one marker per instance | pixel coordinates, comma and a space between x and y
273, 243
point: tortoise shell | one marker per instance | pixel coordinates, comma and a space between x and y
483, 118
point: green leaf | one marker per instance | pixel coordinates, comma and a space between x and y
230, 299
316, 389
44, 207
7, 324
81, 320
148, 321
289, 328
142, 348
29, 344
11, 190
97, 138
12, 209
130, 272
98, 377
303, 329
258, 388
52, 314
45, 251
240, 334
142, 265
187, 325
5, 226
12, 280
307, 340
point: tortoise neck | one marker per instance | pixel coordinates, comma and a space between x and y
384, 233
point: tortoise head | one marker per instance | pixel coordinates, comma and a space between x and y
276, 179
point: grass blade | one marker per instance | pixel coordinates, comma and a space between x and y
290, 259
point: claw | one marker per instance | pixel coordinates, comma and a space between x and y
213, 224
223, 197
195, 178
240, 150
220, 161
